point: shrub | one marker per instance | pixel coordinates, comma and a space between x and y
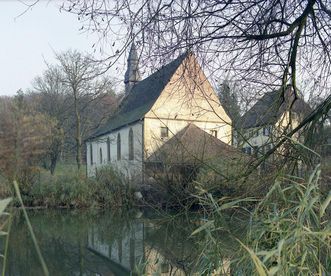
72, 189
226, 178
113, 189
289, 233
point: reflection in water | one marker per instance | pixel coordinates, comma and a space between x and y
85, 243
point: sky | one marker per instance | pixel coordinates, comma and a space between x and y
28, 40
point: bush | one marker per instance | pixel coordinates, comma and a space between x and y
113, 189
226, 178
72, 189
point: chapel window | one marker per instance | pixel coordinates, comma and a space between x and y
108, 149
100, 155
119, 146
131, 149
164, 132
91, 153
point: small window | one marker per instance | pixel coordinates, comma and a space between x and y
100, 155
91, 153
164, 132
118, 146
249, 150
266, 131
267, 148
131, 153
108, 149
256, 151
165, 268
213, 132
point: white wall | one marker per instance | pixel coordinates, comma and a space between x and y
265, 142
129, 168
187, 98
260, 137
152, 129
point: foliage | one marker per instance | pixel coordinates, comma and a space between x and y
79, 96
289, 233
223, 177
113, 185
5, 230
25, 139
34, 239
230, 102
69, 188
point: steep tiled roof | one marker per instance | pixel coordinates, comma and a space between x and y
141, 98
269, 108
194, 145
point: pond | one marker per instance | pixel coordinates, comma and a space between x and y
104, 243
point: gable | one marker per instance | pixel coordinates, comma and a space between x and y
141, 98
189, 96
270, 108
193, 145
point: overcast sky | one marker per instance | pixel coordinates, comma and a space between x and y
29, 39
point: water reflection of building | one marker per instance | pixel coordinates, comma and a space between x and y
131, 252
93, 245
126, 250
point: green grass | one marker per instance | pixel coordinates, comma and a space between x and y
68, 168
289, 232
70, 188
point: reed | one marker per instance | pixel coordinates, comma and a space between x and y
289, 231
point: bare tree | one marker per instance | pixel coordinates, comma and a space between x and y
265, 42
74, 92
229, 99
25, 138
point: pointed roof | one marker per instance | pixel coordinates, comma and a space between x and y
270, 108
141, 97
132, 72
194, 145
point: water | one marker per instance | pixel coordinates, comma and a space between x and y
101, 243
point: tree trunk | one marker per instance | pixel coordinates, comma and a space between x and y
78, 137
53, 164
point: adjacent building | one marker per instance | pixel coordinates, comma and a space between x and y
272, 117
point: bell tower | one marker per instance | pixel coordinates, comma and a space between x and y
132, 75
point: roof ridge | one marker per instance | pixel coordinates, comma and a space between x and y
141, 97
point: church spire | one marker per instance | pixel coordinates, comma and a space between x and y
132, 75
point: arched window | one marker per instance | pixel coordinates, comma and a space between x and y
91, 153
100, 156
131, 153
118, 146
108, 149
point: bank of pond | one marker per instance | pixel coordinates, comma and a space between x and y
104, 243
105, 229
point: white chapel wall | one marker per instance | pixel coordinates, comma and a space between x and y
187, 98
129, 168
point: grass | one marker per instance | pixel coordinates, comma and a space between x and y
69, 188
289, 232
5, 230
34, 239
